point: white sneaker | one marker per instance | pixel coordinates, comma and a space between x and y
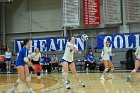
80, 83
102, 78
66, 84
13, 90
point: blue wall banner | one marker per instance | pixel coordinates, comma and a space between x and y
50, 44
130, 40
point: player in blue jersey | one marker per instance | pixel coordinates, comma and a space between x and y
22, 63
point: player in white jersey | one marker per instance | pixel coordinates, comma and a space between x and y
137, 64
107, 59
8, 56
67, 62
36, 59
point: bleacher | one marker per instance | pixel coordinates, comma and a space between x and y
80, 64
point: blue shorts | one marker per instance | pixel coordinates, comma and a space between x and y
110, 57
20, 64
63, 60
8, 60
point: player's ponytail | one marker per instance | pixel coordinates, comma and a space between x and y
25, 41
69, 39
22, 44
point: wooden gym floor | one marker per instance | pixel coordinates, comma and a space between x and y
52, 84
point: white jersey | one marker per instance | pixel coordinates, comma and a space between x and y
8, 54
17, 55
35, 56
137, 53
106, 53
68, 55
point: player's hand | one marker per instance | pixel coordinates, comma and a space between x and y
30, 64
33, 67
113, 54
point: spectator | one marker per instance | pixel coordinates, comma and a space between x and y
90, 63
54, 62
2, 63
47, 63
3, 48
8, 56
88, 51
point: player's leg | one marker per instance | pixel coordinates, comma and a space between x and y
111, 70
28, 79
38, 75
9, 65
105, 70
65, 74
21, 78
74, 72
137, 64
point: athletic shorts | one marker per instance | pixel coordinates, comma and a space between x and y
63, 60
8, 60
20, 64
109, 59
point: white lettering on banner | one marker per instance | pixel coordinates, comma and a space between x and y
19, 44
43, 45
116, 42
80, 42
106, 38
33, 45
52, 45
127, 42
61, 41
137, 39
49, 44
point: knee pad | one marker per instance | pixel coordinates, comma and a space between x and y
65, 73
19, 81
134, 70
112, 69
106, 69
28, 78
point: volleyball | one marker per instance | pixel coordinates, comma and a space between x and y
84, 37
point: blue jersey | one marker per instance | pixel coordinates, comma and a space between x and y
47, 60
22, 54
90, 57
